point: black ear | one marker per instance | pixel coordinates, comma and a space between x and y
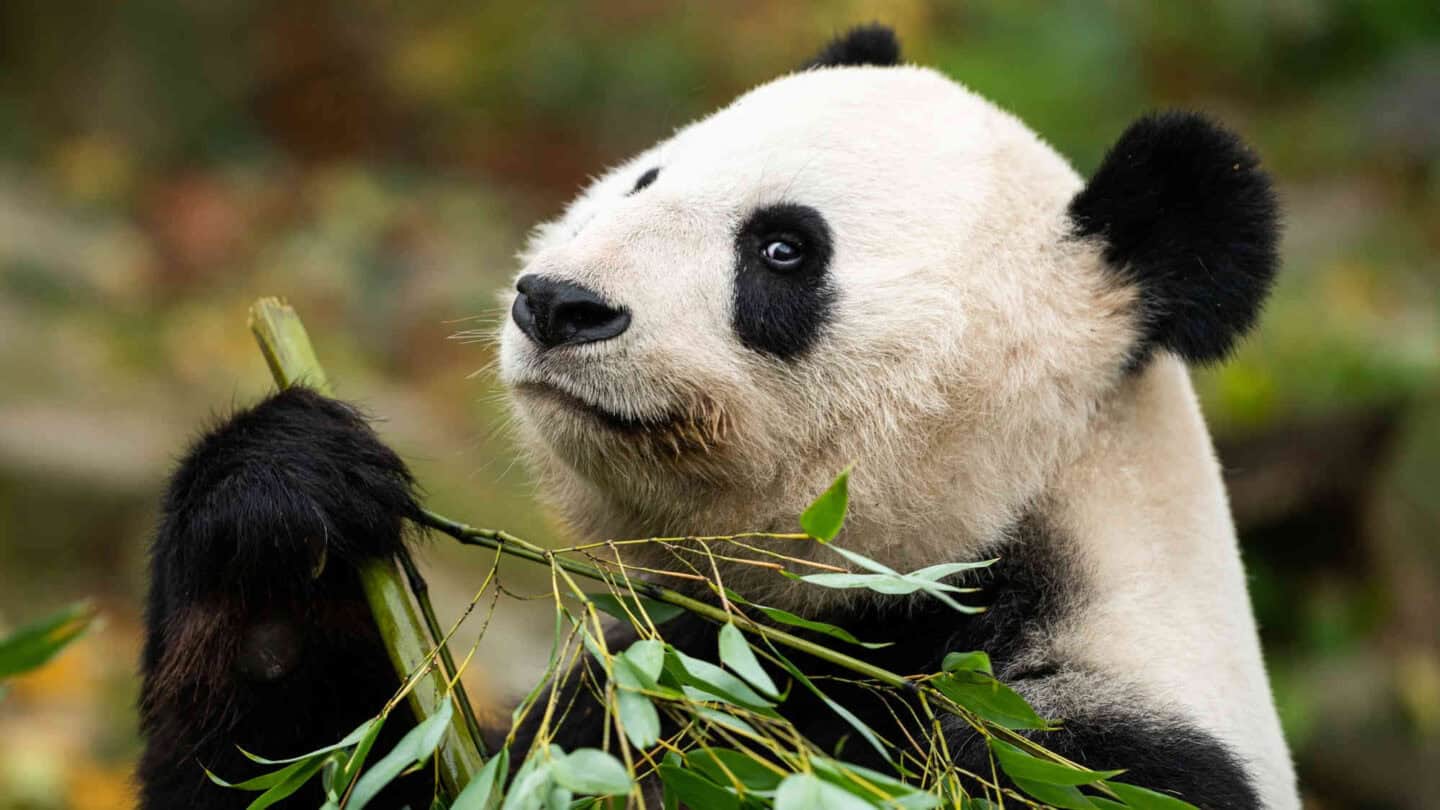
1187, 214
872, 44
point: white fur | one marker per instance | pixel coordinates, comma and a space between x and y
974, 369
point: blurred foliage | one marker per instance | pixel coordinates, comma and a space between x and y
164, 163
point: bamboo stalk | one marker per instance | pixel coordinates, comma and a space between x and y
292, 360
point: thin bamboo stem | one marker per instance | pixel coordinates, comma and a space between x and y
509, 544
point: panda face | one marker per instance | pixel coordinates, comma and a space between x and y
847, 265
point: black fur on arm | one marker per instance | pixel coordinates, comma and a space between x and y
872, 44
1187, 214
257, 632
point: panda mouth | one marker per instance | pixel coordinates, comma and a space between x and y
618, 422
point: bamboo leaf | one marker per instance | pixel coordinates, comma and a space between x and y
865, 732
805, 791
531, 785
990, 699
724, 766
264, 781
483, 792
659, 612
726, 719
714, 681
1141, 798
893, 585
642, 663
638, 717
786, 617
357, 758
33, 645
293, 781
592, 772
864, 782
935, 573
693, 790
1020, 765
735, 653
414, 748
824, 518
349, 739
1066, 797
967, 662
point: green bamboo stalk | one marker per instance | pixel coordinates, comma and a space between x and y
292, 361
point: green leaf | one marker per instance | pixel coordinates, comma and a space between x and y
291, 783
1066, 797
591, 771
350, 739
33, 645
823, 519
264, 781
659, 612
357, 759
1141, 798
558, 797
333, 767
805, 791
866, 733
864, 783
643, 662
726, 719
967, 662
414, 748
638, 717
935, 573
990, 699
735, 653
1020, 765
692, 790
786, 617
861, 561
884, 579
483, 792
531, 785
725, 766
893, 585
711, 679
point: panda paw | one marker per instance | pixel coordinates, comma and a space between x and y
276, 494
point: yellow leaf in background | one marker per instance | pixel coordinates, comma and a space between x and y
100, 787
68, 676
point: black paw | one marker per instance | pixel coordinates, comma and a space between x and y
276, 494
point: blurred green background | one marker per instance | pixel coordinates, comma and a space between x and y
164, 163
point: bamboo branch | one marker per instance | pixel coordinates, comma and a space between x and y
509, 544
292, 361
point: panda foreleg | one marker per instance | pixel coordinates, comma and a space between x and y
1106, 726
257, 633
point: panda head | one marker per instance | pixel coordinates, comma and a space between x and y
863, 262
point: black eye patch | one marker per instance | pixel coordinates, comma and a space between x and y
782, 307
645, 179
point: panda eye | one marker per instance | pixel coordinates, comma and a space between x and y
782, 254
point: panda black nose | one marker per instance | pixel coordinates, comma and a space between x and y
557, 313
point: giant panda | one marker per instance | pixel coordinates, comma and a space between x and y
861, 263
